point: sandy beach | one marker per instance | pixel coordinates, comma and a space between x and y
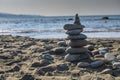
24, 58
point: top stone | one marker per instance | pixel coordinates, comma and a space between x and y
76, 25
77, 20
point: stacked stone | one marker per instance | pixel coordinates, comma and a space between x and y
76, 51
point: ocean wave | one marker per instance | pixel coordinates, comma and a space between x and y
55, 30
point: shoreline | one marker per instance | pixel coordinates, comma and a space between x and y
22, 56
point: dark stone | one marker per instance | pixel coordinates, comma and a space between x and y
59, 50
76, 57
27, 77
76, 50
78, 37
41, 63
62, 43
77, 43
96, 64
62, 67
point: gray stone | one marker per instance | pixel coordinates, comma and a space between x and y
27, 77
96, 64
118, 57
59, 50
106, 71
83, 64
109, 57
76, 50
76, 57
77, 43
103, 50
116, 64
62, 67
47, 57
74, 32
95, 52
73, 26
90, 47
80, 36
62, 43
41, 63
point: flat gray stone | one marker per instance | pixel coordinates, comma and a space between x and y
103, 50
77, 43
118, 57
76, 57
62, 43
76, 50
73, 26
83, 64
96, 64
74, 32
80, 36
116, 64
90, 47
109, 57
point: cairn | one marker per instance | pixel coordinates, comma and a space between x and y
76, 51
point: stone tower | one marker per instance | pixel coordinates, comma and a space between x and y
77, 41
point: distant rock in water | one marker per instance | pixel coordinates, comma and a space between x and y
70, 19
105, 18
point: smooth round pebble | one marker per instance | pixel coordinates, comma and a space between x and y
47, 57
116, 64
74, 37
73, 26
90, 47
83, 64
96, 64
59, 50
77, 43
109, 57
103, 50
76, 50
62, 43
76, 57
118, 57
74, 32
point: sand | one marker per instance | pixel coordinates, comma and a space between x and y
19, 54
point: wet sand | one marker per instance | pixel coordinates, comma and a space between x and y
21, 58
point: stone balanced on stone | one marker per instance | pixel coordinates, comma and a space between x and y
76, 51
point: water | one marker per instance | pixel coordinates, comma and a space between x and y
52, 27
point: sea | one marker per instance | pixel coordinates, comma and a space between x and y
48, 27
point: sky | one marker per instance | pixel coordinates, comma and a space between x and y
61, 7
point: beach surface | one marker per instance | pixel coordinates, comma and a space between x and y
24, 58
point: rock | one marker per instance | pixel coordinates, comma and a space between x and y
77, 43
90, 47
103, 51
116, 64
14, 69
62, 67
59, 50
76, 57
83, 64
95, 52
76, 50
106, 71
118, 57
74, 32
109, 57
96, 64
48, 74
41, 63
43, 70
105, 18
73, 26
74, 37
62, 43
27, 77
47, 57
